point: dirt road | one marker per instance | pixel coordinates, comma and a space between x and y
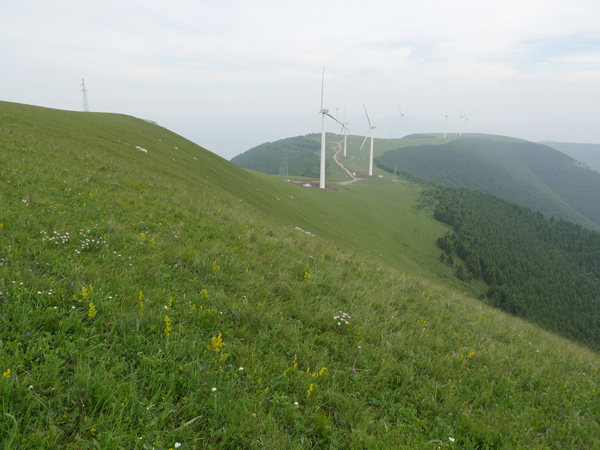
338, 144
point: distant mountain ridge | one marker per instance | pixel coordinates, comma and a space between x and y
529, 174
588, 154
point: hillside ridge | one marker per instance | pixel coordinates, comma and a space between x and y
150, 299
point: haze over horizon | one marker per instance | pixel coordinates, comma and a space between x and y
232, 75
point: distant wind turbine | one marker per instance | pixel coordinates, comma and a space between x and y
445, 123
461, 121
346, 129
401, 117
323, 112
371, 127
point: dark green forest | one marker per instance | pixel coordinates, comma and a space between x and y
545, 270
525, 173
302, 154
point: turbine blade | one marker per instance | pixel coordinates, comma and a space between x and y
367, 115
311, 118
363, 144
327, 114
322, 86
400, 110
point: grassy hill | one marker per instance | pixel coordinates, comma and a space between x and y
302, 153
519, 171
163, 297
525, 173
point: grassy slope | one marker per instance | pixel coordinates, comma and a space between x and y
404, 237
373, 216
414, 367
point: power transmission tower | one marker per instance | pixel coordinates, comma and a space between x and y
86, 107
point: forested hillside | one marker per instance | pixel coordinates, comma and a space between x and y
302, 154
528, 174
544, 270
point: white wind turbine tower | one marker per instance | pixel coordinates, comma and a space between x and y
371, 127
346, 129
401, 117
324, 112
445, 123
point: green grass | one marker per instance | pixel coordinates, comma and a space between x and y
415, 366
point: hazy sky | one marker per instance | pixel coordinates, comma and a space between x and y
232, 74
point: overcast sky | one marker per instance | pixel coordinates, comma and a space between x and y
232, 74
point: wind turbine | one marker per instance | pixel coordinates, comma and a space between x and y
466, 122
461, 120
401, 117
445, 123
324, 112
346, 129
371, 127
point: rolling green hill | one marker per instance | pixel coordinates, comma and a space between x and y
302, 152
519, 171
163, 297
528, 174
503, 165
